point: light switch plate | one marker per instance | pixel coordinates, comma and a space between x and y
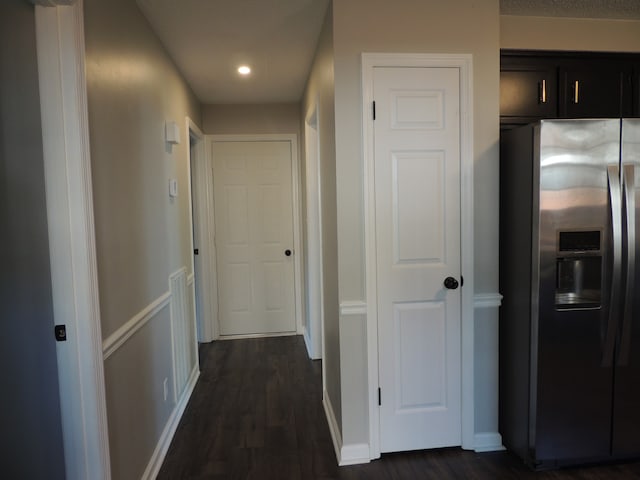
173, 187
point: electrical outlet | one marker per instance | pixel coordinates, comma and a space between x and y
166, 388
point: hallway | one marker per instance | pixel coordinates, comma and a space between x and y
256, 413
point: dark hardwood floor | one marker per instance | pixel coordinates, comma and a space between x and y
256, 413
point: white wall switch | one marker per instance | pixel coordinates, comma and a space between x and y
173, 187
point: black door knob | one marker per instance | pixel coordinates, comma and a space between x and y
287, 252
451, 283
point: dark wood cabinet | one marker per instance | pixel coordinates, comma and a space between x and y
528, 91
538, 85
596, 89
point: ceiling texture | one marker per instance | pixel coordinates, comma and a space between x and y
209, 39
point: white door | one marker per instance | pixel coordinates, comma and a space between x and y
417, 195
254, 236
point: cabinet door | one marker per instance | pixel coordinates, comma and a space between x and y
596, 90
527, 93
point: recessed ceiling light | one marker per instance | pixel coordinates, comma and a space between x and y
244, 70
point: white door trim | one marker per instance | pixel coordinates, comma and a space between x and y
314, 334
464, 63
295, 194
65, 131
202, 203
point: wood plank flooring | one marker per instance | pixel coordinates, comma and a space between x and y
256, 413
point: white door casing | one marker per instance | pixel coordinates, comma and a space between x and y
417, 178
254, 218
314, 295
414, 328
201, 182
74, 277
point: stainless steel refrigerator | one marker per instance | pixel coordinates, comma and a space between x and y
570, 280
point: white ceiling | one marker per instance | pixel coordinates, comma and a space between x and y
209, 39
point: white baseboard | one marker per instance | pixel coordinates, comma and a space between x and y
355, 454
151, 472
309, 344
345, 454
488, 442
334, 429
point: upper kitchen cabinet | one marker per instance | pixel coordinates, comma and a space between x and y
528, 91
596, 88
548, 84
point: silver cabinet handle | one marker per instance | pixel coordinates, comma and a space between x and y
613, 177
542, 91
630, 207
576, 91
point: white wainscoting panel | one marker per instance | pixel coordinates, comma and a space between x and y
180, 337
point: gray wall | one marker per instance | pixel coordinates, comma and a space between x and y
547, 33
30, 426
241, 119
320, 89
142, 236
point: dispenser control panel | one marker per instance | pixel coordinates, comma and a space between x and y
579, 269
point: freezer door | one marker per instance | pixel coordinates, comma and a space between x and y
572, 351
626, 411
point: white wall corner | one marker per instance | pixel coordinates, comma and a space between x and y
488, 442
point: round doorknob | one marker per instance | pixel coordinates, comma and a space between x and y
287, 252
451, 283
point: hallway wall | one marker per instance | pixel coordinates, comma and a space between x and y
320, 91
142, 235
249, 119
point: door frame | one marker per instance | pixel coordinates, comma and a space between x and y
314, 331
203, 232
295, 198
72, 244
463, 62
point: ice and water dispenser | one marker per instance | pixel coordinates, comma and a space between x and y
578, 269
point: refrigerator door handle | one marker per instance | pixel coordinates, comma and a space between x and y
613, 177
630, 208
